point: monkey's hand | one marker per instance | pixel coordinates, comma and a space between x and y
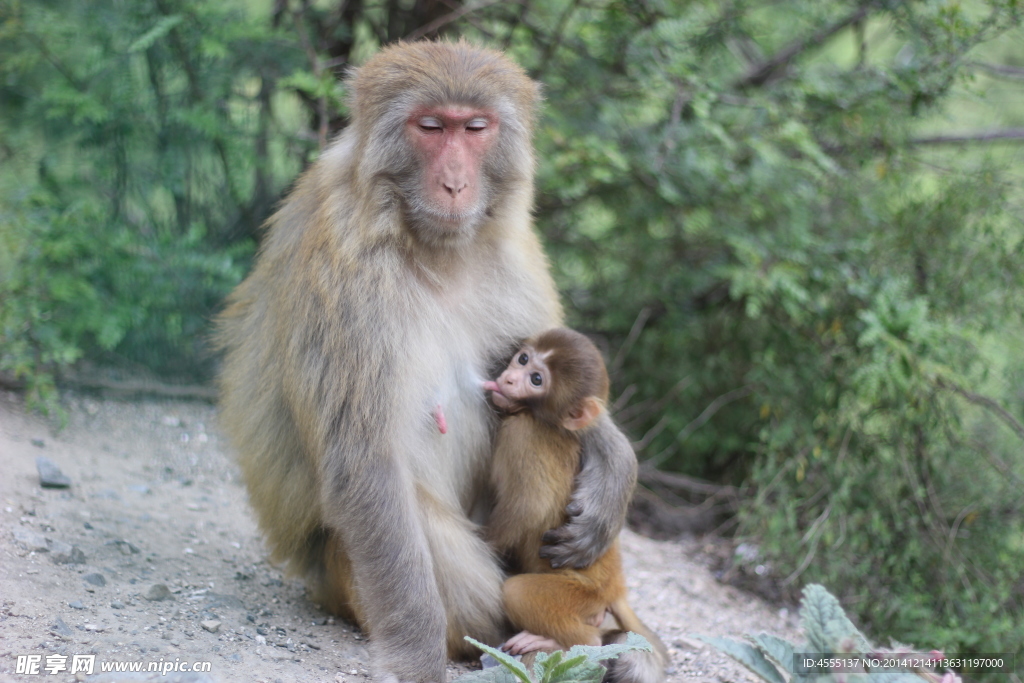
524, 642
597, 510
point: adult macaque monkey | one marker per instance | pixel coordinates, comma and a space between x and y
553, 391
399, 273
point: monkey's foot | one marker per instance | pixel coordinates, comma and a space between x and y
524, 642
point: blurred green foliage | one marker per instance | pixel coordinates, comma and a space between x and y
140, 156
802, 293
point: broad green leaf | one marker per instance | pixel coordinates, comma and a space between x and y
747, 655
516, 668
778, 649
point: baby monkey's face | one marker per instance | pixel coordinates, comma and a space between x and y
527, 378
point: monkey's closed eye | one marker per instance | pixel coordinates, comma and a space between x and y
429, 123
477, 125
536, 379
523, 359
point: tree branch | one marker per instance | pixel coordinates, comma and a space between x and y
122, 388
634, 334
761, 73
556, 41
1012, 134
674, 480
699, 421
446, 19
984, 402
1013, 72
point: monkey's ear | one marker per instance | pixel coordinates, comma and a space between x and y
583, 415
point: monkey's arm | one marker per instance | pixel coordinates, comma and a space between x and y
597, 510
346, 390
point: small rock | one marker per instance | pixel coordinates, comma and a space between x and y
30, 539
158, 591
50, 476
38, 443
95, 579
167, 635
260, 640
22, 609
76, 604
215, 600
61, 629
688, 644
62, 553
87, 525
117, 604
125, 547
211, 625
92, 627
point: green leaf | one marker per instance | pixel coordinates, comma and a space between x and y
826, 625
558, 668
634, 641
508, 661
747, 655
778, 649
494, 674
159, 30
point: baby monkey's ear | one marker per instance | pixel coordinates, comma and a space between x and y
582, 415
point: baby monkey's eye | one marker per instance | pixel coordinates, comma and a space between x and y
536, 379
523, 359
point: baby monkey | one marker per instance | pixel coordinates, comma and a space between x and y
555, 387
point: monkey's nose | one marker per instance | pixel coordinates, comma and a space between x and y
454, 187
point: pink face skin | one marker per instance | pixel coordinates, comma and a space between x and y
526, 377
452, 142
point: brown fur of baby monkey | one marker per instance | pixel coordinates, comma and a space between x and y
553, 390
398, 274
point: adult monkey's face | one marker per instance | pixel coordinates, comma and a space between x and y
451, 144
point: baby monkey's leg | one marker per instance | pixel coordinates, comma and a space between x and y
552, 607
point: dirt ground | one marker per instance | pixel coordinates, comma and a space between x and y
152, 556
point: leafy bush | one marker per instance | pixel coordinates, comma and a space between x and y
141, 156
831, 636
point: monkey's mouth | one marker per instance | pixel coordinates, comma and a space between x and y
499, 399
455, 217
